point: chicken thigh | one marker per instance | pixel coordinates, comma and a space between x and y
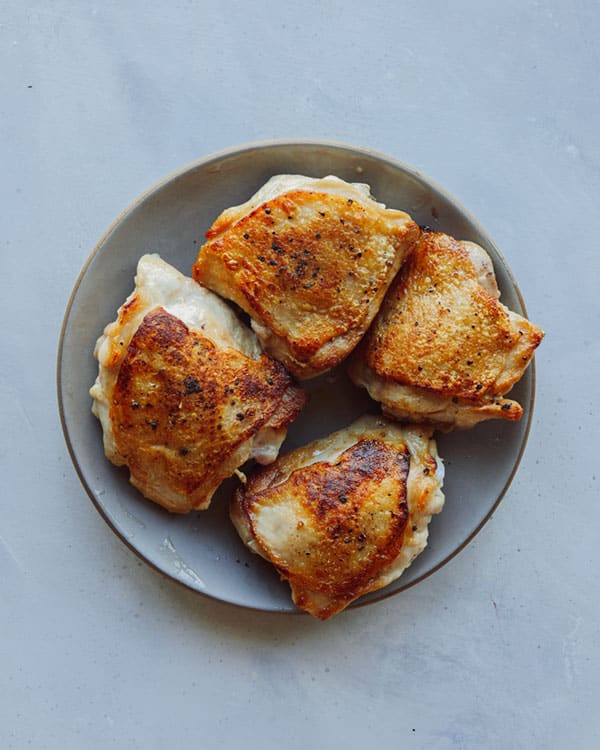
184, 393
344, 515
310, 261
443, 349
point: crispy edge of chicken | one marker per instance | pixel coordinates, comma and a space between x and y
344, 515
175, 350
310, 261
443, 349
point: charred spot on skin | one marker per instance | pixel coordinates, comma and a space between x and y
506, 407
183, 451
191, 385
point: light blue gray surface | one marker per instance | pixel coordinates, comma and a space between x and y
498, 102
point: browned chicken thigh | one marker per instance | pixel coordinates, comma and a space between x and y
184, 393
310, 261
443, 349
344, 515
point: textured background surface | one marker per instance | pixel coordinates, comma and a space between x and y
498, 103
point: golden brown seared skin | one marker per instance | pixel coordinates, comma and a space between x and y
184, 410
310, 266
443, 349
344, 515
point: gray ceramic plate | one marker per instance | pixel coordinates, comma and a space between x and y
202, 550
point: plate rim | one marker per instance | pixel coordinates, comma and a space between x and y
204, 161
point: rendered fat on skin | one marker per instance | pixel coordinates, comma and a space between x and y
344, 515
310, 261
184, 393
443, 349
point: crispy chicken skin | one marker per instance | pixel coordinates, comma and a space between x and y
310, 261
183, 406
344, 515
443, 349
